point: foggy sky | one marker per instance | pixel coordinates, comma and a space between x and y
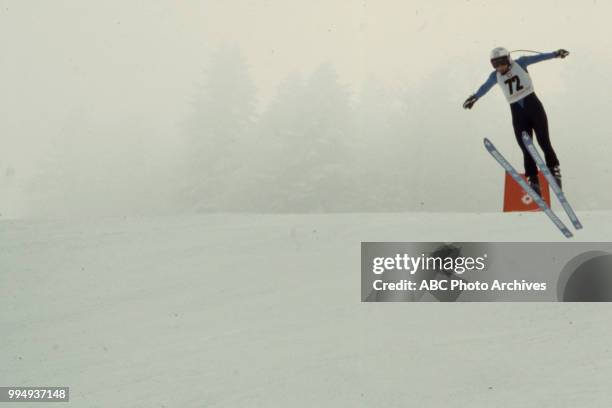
118, 60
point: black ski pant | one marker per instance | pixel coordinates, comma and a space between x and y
528, 118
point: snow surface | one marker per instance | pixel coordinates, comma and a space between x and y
264, 311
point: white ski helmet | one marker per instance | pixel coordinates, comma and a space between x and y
500, 55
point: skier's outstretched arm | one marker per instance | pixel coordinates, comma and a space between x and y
484, 88
532, 59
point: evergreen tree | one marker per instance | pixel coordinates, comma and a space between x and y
222, 117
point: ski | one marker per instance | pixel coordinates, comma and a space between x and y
551, 180
538, 200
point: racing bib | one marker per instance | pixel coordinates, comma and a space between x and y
516, 83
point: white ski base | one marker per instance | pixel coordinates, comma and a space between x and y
264, 310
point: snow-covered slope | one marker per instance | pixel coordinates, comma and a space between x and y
264, 311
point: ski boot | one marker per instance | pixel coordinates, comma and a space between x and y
556, 172
534, 183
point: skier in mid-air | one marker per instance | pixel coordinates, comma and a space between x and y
527, 111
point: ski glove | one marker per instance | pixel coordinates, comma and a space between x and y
561, 53
469, 102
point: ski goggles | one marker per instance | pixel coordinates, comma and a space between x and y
496, 62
